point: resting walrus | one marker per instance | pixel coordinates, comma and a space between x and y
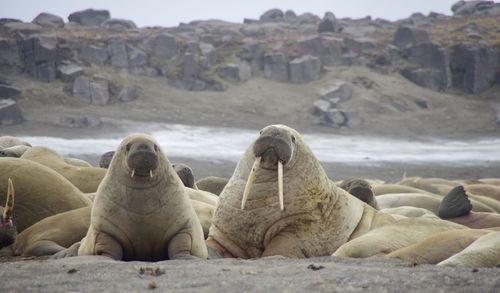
141, 210
284, 204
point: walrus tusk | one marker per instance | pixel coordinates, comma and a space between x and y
151, 173
133, 172
280, 184
251, 178
9, 202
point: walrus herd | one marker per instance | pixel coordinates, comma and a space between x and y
137, 205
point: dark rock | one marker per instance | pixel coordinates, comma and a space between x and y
10, 55
208, 55
428, 78
196, 84
128, 93
78, 121
4, 21
94, 55
253, 53
334, 118
69, 72
191, 65
9, 91
116, 23
89, 17
99, 91
329, 24
474, 68
422, 103
272, 15
418, 19
410, 36
276, 66
81, 89
118, 52
136, 57
430, 56
308, 18
234, 72
290, 14
360, 44
40, 57
164, 46
305, 69
10, 113
338, 92
473, 8
25, 28
400, 105
250, 21
49, 20
320, 107
327, 49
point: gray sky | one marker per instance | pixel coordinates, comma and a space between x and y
171, 13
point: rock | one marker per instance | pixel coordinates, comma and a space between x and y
164, 46
9, 91
48, 20
128, 93
196, 84
290, 14
78, 121
400, 105
94, 55
81, 89
25, 28
320, 106
89, 17
191, 66
276, 66
474, 68
360, 44
136, 57
422, 103
327, 49
475, 8
10, 55
69, 72
272, 15
428, 78
40, 57
118, 53
117, 23
410, 36
336, 93
253, 53
308, 18
10, 113
329, 24
99, 91
234, 72
209, 55
418, 19
430, 56
4, 21
305, 69
334, 118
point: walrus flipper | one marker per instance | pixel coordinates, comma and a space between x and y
455, 204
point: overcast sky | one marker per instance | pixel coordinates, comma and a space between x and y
171, 13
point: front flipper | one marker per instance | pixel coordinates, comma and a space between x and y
99, 243
285, 244
180, 247
68, 252
43, 247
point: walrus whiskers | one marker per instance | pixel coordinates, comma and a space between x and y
9, 202
251, 178
280, 184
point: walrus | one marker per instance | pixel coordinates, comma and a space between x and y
7, 141
361, 189
491, 181
40, 191
212, 184
141, 210
279, 201
484, 252
395, 188
84, 178
456, 207
409, 212
77, 162
492, 191
437, 247
105, 159
8, 231
14, 151
186, 175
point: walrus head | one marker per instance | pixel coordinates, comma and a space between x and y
360, 189
272, 150
105, 159
185, 173
8, 230
141, 158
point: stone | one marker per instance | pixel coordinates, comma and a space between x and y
290, 14
25, 28
276, 66
336, 93
272, 15
120, 24
407, 36
305, 69
10, 55
334, 118
128, 93
400, 105
208, 53
4, 20
234, 72
164, 46
94, 55
327, 49
253, 53
136, 57
9, 91
476, 8
118, 53
329, 24
308, 18
427, 78
81, 89
89, 17
69, 72
48, 20
360, 44
191, 65
40, 53
474, 68
196, 84
320, 107
99, 91
78, 121
434, 57
10, 113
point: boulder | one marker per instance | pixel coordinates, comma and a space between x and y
360, 44
253, 53
272, 15
407, 36
290, 14
9, 91
4, 20
120, 24
320, 106
81, 89
427, 78
136, 57
474, 68
48, 20
305, 69
40, 54
276, 66
329, 24
89, 17
208, 55
10, 113
191, 65
164, 46
327, 49
234, 72
94, 55
25, 28
307, 18
10, 55
429, 56
128, 93
118, 52
334, 118
473, 8
69, 72
336, 93
78, 121
99, 91
196, 84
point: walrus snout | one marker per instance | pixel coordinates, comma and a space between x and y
273, 149
142, 159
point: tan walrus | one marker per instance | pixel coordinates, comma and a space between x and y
484, 252
14, 151
212, 184
361, 189
84, 178
280, 201
8, 229
7, 141
141, 210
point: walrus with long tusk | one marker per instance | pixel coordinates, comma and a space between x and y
280, 201
141, 210
8, 229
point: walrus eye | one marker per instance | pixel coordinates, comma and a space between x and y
127, 147
260, 132
293, 139
156, 148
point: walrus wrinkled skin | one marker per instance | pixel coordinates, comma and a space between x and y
105, 159
212, 184
484, 252
361, 189
186, 175
86, 179
316, 216
141, 210
7, 141
14, 151
40, 191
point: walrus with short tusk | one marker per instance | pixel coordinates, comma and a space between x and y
280, 201
8, 229
141, 210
